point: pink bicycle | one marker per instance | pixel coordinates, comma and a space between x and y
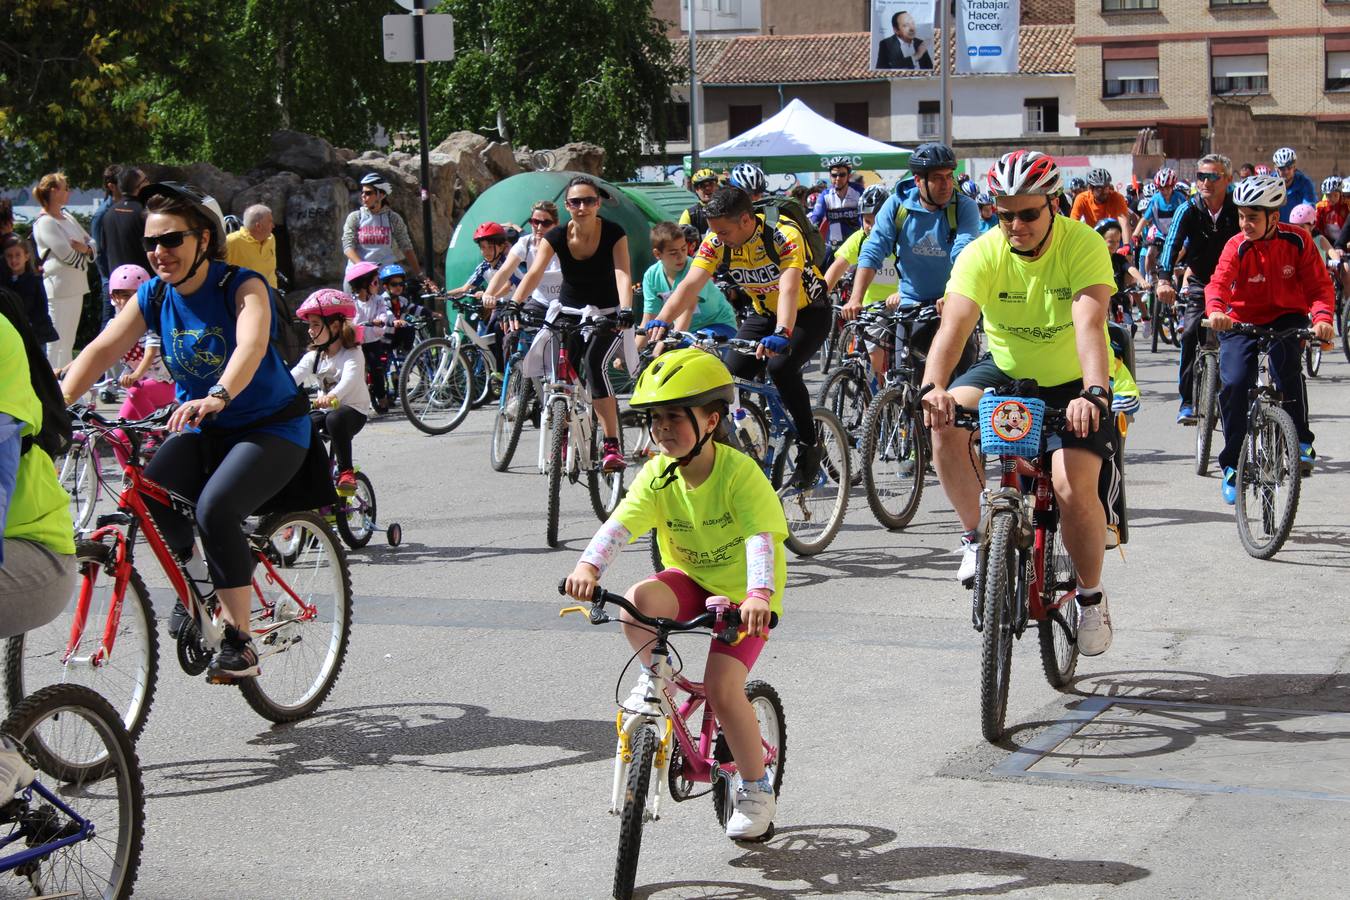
665, 744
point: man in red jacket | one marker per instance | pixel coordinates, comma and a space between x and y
1269, 274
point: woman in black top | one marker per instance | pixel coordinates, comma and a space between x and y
593, 254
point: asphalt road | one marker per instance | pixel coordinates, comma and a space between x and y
466, 751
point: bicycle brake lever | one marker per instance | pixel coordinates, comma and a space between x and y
570, 609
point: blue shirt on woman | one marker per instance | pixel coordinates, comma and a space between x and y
199, 333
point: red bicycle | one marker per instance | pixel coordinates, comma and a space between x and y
106, 638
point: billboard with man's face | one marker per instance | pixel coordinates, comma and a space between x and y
902, 34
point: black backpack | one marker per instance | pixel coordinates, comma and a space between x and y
289, 336
54, 435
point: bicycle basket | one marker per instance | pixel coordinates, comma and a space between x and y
1011, 426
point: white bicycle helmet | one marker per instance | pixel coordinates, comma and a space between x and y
1284, 156
1024, 173
1098, 178
1260, 191
873, 199
1330, 183
750, 178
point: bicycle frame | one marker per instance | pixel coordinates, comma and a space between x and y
563, 381
33, 854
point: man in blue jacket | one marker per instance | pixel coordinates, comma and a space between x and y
936, 222
1298, 187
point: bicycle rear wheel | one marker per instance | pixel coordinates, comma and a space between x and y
1059, 647
634, 812
1268, 483
556, 460
127, 678
814, 514
483, 371
893, 458
512, 408
435, 386
62, 726
847, 394
303, 622
1206, 409
999, 605
356, 517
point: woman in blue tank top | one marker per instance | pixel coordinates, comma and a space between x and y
241, 432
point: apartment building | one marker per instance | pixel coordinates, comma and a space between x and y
1169, 64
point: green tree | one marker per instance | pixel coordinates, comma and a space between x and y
598, 71
66, 70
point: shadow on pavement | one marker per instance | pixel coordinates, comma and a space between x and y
881, 563
1161, 518
412, 552
854, 859
413, 736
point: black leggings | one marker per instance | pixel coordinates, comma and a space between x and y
341, 425
593, 355
255, 466
785, 369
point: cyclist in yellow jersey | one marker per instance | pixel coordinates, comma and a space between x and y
768, 263
704, 183
721, 528
1043, 283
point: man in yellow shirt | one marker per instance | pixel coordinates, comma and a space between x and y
254, 246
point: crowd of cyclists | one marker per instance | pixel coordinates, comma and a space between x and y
1023, 267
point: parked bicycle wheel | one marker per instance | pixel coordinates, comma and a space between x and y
606, 488
1206, 409
815, 514
893, 457
307, 617
1059, 647
62, 727
1268, 483
634, 809
356, 517
847, 393
127, 678
435, 386
512, 410
556, 461
999, 604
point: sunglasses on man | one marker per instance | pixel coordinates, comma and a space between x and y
1208, 176
1007, 216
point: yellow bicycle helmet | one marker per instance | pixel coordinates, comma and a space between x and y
688, 377
703, 175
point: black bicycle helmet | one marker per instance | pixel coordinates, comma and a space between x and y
930, 156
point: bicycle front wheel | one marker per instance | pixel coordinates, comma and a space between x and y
435, 386
126, 676
999, 605
356, 517
302, 616
556, 461
1156, 313
1268, 483
60, 727
893, 458
815, 513
606, 488
1206, 409
81, 473
483, 371
1312, 358
512, 410
847, 394
634, 813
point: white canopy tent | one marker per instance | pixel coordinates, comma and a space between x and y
798, 139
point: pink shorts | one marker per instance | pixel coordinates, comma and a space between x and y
691, 598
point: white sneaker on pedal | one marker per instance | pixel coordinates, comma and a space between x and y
755, 808
1094, 628
642, 698
969, 562
15, 772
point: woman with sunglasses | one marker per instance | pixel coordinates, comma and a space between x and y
375, 233
596, 274
240, 431
519, 259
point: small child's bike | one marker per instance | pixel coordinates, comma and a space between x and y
687, 765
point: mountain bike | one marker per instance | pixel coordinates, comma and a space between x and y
662, 754
1023, 572
518, 398
896, 445
571, 441
1168, 321
1268, 477
851, 386
107, 640
762, 429
1205, 390
76, 830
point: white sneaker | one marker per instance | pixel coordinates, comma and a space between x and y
1094, 628
642, 698
15, 772
969, 563
754, 811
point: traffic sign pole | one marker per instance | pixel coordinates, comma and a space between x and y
420, 60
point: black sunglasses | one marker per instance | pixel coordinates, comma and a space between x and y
581, 202
1022, 215
167, 239
1208, 176
395, 283
541, 223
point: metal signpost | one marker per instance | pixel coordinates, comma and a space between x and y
421, 38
